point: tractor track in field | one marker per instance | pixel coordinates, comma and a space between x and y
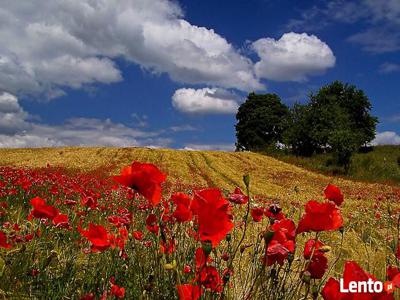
220, 173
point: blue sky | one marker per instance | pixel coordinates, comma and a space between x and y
172, 74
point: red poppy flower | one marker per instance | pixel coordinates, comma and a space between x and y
257, 213
311, 246
89, 202
277, 252
333, 193
182, 212
352, 272
238, 197
282, 242
317, 266
213, 215
189, 292
152, 224
391, 272
320, 217
98, 236
168, 247
61, 221
200, 258
145, 178
210, 278
137, 235
3, 241
41, 210
274, 212
117, 291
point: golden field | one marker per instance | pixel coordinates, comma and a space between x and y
270, 178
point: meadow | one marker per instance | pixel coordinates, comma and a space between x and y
377, 164
188, 225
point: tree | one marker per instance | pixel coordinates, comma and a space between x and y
337, 119
298, 134
261, 120
338, 107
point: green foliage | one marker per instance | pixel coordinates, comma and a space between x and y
378, 165
261, 122
299, 131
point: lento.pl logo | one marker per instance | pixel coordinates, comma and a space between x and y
367, 287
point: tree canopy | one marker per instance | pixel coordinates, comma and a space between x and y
261, 120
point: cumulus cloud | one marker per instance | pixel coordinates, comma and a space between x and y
293, 57
45, 46
18, 130
386, 138
206, 100
12, 116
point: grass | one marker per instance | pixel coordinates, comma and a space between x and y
379, 165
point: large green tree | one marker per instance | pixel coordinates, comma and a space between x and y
261, 120
338, 107
337, 119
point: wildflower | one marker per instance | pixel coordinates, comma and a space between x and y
189, 292
352, 272
333, 193
3, 241
210, 278
41, 210
145, 178
320, 217
257, 213
151, 223
182, 212
213, 215
117, 291
98, 236
137, 235
238, 197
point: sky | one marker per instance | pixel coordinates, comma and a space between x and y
160, 73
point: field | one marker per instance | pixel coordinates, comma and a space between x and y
67, 270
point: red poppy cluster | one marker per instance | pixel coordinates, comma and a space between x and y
190, 234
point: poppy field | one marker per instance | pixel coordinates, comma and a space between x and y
109, 223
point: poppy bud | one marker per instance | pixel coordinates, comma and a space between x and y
325, 249
246, 180
207, 247
314, 292
306, 277
341, 230
268, 236
228, 237
225, 256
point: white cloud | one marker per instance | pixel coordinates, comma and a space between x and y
202, 147
206, 100
12, 116
386, 138
45, 46
17, 130
293, 57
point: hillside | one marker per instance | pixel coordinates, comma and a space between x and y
269, 176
